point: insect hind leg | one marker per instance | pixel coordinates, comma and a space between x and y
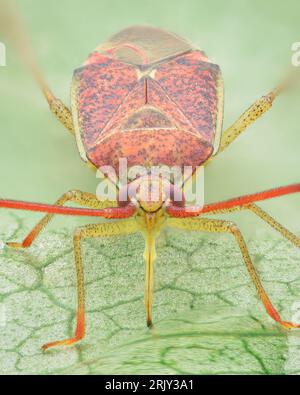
220, 226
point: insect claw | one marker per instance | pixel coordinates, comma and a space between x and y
289, 325
149, 324
13, 244
66, 342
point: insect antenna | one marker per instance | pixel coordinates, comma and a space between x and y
11, 27
176, 211
108, 212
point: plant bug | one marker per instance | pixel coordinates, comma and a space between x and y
150, 97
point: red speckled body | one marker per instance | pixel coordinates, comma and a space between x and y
148, 96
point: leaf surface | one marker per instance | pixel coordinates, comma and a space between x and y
207, 317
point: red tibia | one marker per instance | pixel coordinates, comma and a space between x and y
80, 328
29, 239
274, 314
175, 211
109, 212
79, 334
270, 309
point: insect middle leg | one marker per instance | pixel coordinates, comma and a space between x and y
89, 231
213, 225
265, 217
83, 198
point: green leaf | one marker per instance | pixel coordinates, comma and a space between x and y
207, 317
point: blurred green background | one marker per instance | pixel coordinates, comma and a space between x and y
251, 40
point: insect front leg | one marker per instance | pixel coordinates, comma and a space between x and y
89, 231
219, 226
85, 199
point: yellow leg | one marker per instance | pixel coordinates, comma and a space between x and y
254, 112
62, 113
212, 225
83, 198
265, 217
276, 225
97, 230
149, 256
